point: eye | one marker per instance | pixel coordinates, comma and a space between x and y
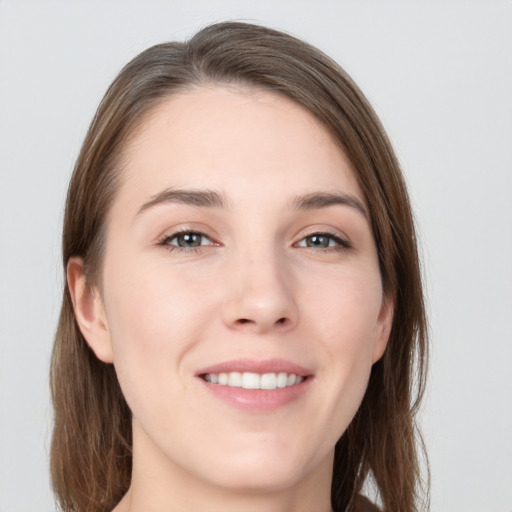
185, 240
324, 241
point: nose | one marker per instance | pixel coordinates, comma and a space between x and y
260, 297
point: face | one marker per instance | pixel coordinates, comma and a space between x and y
241, 302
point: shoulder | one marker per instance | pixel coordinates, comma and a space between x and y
363, 504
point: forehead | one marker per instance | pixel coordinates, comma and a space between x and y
239, 140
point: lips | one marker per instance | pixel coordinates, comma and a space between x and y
257, 366
256, 385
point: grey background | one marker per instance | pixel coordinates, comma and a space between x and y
439, 74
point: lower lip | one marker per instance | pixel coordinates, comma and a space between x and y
258, 400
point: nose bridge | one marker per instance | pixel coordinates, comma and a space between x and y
260, 293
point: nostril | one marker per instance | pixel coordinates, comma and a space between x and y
243, 321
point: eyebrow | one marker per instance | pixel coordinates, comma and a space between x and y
203, 198
324, 199
212, 199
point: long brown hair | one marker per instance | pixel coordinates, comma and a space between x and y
91, 443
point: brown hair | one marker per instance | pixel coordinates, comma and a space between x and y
91, 443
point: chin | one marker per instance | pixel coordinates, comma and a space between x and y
260, 480
264, 471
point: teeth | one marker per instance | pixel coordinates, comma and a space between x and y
249, 380
268, 381
235, 379
290, 381
282, 379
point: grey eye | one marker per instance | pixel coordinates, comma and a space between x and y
321, 241
324, 241
189, 239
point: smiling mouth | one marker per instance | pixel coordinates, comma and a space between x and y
257, 386
250, 380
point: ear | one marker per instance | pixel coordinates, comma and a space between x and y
89, 311
383, 327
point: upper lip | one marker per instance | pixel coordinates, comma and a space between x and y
261, 366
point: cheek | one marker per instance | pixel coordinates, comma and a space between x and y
345, 316
152, 304
155, 318
347, 309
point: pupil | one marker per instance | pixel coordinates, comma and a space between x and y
189, 240
318, 241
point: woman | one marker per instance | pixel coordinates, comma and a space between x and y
243, 324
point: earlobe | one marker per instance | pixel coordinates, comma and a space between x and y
383, 329
89, 311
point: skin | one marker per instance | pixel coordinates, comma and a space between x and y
253, 289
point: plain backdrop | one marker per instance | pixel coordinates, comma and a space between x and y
439, 74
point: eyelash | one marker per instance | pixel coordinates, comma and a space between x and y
342, 244
165, 241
